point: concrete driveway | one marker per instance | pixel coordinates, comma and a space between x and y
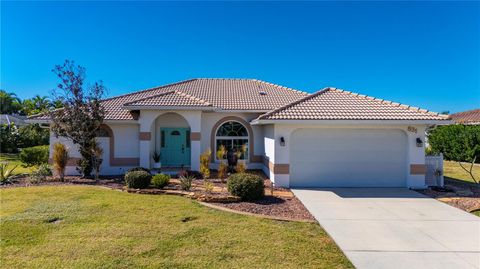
395, 228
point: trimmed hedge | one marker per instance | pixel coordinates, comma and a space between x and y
160, 180
246, 186
34, 155
137, 179
139, 169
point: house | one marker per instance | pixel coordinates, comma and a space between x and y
470, 117
331, 138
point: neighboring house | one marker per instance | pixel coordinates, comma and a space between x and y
471, 117
18, 120
331, 138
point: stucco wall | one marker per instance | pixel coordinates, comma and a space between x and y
269, 144
126, 145
415, 155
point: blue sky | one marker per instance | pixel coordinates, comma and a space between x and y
423, 54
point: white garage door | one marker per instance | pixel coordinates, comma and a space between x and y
348, 158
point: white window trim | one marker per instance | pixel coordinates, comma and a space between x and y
247, 159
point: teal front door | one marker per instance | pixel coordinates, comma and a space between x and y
175, 147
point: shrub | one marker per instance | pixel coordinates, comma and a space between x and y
60, 159
9, 138
205, 163
34, 155
460, 143
186, 182
160, 180
246, 186
6, 172
222, 170
40, 174
33, 135
139, 169
137, 179
240, 167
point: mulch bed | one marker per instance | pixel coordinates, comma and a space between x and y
460, 194
274, 206
278, 202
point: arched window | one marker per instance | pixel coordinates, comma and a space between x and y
234, 136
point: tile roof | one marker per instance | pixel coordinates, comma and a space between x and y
225, 94
467, 117
336, 104
169, 99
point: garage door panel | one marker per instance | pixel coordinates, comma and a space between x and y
348, 158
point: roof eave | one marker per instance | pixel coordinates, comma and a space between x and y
353, 122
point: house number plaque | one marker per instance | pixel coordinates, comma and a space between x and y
412, 129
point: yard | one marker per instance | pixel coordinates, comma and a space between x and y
12, 159
87, 226
454, 171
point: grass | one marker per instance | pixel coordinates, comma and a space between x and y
454, 171
12, 159
89, 227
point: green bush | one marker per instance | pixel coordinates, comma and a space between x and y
160, 180
246, 186
9, 138
457, 142
33, 135
34, 155
139, 169
137, 179
40, 174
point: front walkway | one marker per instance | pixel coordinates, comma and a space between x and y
395, 228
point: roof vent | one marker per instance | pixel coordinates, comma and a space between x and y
262, 92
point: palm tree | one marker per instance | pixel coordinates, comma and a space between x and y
9, 103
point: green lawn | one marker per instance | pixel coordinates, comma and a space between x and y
100, 227
12, 159
454, 171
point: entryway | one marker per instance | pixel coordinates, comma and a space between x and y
175, 146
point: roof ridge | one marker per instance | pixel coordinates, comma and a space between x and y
383, 101
194, 98
278, 86
310, 96
150, 89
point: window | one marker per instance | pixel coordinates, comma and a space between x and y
234, 136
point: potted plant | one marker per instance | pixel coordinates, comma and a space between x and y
156, 158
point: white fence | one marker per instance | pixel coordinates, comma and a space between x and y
434, 170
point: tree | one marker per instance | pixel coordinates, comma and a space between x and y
82, 112
460, 143
9, 103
